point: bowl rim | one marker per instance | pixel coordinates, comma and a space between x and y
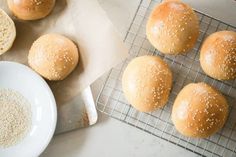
51, 97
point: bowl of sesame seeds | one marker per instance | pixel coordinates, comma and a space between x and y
28, 111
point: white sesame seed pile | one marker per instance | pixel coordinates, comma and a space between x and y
15, 117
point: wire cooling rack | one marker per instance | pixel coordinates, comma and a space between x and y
186, 69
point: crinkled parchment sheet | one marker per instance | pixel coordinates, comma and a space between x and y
87, 25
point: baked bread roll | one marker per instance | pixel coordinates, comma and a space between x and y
7, 32
172, 27
199, 110
218, 55
31, 9
146, 83
53, 56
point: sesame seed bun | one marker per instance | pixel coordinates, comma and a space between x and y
7, 32
31, 9
146, 83
172, 27
199, 110
218, 55
53, 56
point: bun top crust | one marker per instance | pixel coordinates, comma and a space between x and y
53, 56
199, 110
172, 27
31, 9
218, 55
146, 83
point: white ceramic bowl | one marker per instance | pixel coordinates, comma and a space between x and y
21, 78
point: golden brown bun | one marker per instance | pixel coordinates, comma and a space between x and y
53, 56
31, 9
172, 27
146, 83
7, 32
218, 55
199, 110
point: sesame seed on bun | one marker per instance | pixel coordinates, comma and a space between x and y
199, 110
218, 55
31, 9
146, 83
172, 27
53, 56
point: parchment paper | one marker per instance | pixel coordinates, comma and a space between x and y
87, 25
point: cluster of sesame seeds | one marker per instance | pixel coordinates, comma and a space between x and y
208, 115
220, 56
167, 38
229, 38
151, 91
15, 117
36, 2
162, 85
56, 58
229, 65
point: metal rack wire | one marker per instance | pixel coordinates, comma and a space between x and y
186, 69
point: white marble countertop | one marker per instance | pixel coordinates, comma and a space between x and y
110, 137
